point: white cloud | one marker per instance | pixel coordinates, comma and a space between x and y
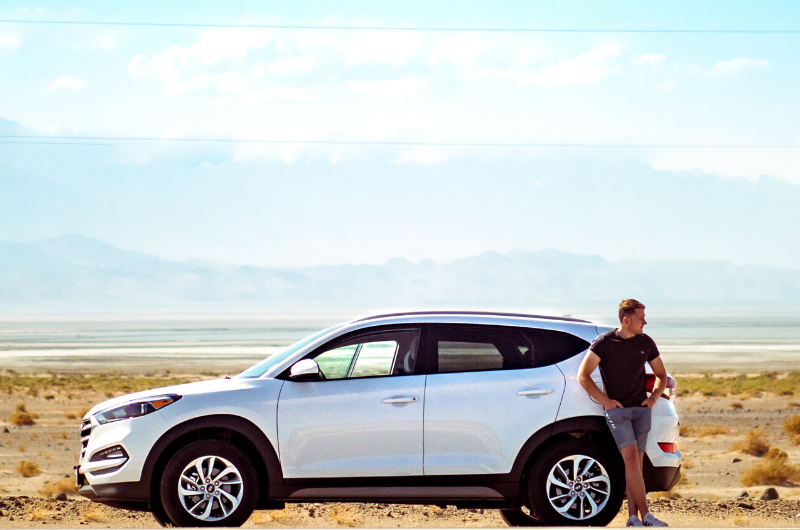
9, 41
395, 48
66, 82
648, 60
388, 87
171, 90
299, 63
462, 50
215, 46
727, 68
586, 69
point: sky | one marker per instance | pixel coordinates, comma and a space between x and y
647, 145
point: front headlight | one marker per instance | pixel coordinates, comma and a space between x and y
135, 408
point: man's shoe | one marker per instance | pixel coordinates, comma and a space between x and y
633, 521
650, 520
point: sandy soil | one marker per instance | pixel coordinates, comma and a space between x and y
707, 498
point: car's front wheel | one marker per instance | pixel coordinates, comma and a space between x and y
209, 483
576, 483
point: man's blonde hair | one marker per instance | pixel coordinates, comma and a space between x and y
628, 307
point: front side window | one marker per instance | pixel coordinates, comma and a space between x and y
479, 348
371, 355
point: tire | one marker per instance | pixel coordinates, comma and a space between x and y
195, 468
161, 516
519, 517
561, 497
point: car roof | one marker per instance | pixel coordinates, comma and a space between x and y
472, 313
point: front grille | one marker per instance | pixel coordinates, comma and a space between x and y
86, 432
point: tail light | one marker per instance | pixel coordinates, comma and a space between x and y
669, 392
668, 447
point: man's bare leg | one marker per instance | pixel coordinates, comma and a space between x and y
634, 482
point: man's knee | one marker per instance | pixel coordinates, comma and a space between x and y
630, 454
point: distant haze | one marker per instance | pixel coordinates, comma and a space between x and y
74, 274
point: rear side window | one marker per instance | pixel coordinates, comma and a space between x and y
480, 348
551, 347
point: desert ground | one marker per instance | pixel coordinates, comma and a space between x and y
726, 422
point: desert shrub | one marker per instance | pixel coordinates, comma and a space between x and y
736, 405
82, 412
711, 430
36, 514
49, 397
686, 430
793, 405
21, 448
21, 416
33, 392
70, 416
65, 485
28, 469
755, 443
687, 463
774, 470
792, 428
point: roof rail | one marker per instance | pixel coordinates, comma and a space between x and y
484, 313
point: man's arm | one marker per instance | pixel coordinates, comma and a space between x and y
590, 362
661, 381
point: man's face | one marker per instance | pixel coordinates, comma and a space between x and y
636, 322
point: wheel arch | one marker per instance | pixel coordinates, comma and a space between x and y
594, 427
237, 431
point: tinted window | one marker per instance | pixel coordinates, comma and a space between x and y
477, 348
371, 354
550, 347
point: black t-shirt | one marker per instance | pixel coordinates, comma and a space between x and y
622, 365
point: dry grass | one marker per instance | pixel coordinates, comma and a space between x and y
60, 435
793, 405
82, 413
94, 515
28, 469
774, 470
792, 428
21, 416
736, 405
21, 448
36, 514
667, 495
739, 385
684, 480
755, 443
65, 485
745, 396
687, 463
700, 431
70, 416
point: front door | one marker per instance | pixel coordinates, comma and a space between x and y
484, 399
364, 419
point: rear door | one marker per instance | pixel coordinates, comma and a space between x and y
484, 398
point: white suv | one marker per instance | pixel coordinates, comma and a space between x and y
445, 408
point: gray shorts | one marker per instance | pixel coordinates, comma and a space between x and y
629, 426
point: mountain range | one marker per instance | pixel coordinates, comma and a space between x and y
76, 273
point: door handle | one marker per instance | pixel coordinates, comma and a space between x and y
400, 400
535, 392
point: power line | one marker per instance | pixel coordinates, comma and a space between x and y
84, 140
396, 28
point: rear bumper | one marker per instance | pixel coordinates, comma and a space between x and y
660, 478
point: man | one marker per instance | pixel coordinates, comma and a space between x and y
621, 354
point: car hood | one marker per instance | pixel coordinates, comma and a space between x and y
186, 389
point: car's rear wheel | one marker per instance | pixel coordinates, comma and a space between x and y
519, 517
576, 483
209, 483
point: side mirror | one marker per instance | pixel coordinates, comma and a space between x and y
305, 370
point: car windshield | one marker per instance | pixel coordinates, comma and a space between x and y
261, 368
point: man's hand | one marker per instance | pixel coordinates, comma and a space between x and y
609, 404
649, 402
